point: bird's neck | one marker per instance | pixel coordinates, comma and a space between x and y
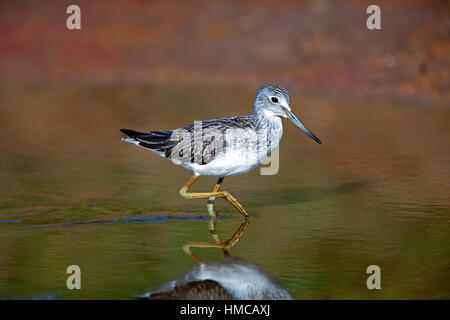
271, 126
266, 120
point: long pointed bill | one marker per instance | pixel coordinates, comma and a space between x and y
291, 116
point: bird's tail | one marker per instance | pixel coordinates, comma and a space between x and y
154, 140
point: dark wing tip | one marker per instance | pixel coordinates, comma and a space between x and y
124, 131
130, 133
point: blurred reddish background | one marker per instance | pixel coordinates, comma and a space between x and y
319, 46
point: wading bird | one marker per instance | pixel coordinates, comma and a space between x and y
225, 146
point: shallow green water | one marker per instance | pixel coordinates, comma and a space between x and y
376, 192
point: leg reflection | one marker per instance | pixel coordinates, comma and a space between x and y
230, 278
224, 246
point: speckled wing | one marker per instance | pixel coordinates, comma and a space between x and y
198, 143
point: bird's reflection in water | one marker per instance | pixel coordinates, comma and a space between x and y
231, 278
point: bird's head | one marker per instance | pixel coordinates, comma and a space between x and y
275, 101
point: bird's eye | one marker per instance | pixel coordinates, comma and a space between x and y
274, 99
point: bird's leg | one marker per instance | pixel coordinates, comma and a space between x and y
219, 194
212, 226
211, 200
210, 205
212, 215
225, 247
212, 220
196, 244
237, 235
219, 244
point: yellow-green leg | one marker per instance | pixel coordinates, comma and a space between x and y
225, 247
211, 195
210, 204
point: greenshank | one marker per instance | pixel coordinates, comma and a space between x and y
225, 146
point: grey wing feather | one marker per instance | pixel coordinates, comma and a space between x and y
182, 143
213, 137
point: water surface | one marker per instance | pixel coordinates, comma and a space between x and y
376, 192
